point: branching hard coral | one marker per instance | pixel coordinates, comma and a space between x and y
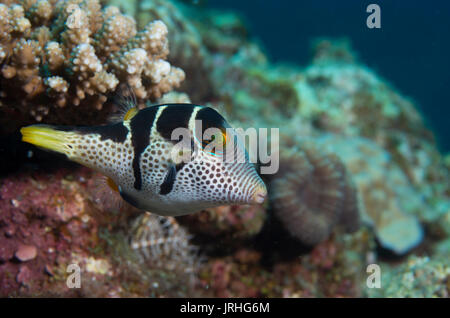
187, 49
174, 98
59, 55
312, 193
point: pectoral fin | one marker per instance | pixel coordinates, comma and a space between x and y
169, 180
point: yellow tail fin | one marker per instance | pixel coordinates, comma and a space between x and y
47, 138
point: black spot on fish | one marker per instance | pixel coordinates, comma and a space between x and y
141, 125
169, 180
172, 117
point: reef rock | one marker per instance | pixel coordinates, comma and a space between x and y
390, 204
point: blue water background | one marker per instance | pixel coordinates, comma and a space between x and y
411, 50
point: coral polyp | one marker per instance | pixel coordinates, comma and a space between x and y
312, 193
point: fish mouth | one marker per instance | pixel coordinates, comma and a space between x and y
259, 195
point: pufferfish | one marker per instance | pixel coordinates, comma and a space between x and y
136, 154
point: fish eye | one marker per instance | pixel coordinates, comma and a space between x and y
216, 145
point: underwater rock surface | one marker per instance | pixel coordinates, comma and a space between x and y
391, 205
395, 182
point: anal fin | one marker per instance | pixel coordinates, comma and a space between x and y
112, 185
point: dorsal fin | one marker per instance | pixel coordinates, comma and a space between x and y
126, 103
130, 113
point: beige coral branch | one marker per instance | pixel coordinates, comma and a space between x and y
72, 53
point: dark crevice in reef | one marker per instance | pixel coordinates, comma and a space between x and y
219, 246
273, 242
276, 244
16, 156
385, 255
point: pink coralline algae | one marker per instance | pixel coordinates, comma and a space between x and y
43, 220
26, 253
